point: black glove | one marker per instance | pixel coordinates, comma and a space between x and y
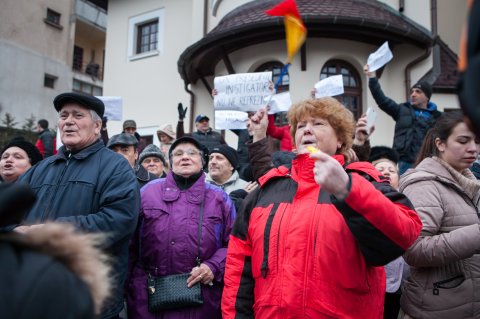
181, 111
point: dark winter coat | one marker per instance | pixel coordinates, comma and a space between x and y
46, 143
411, 124
96, 191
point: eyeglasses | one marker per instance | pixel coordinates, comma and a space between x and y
190, 153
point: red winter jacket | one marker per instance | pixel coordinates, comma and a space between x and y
281, 133
298, 252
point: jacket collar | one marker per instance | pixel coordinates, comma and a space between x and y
84, 153
195, 194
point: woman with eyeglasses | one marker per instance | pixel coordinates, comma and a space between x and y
167, 238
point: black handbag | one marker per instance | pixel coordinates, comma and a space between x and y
171, 292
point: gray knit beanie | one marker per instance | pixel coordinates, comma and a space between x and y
151, 150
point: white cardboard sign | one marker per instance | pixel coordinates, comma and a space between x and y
331, 86
280, 102
230, 120
379, 58
242, 92
113, 107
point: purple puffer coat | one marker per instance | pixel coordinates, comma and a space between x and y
168, 229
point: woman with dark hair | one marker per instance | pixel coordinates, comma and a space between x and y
445, 261
16, 158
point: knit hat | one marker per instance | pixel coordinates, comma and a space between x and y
85, 100
129, 123
151, 150
167, 130
227, 151
383, 152
32, 152
425, 87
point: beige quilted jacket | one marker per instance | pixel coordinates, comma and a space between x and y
445, 259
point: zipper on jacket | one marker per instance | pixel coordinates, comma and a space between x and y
266, 240
441, 284
49, 211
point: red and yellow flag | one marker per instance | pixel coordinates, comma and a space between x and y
295, 30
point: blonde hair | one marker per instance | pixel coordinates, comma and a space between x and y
339, 117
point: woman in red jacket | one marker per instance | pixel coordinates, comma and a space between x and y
310, 242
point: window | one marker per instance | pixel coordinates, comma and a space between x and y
49, 80
352, 97
77, 58
145, 35
83, 87
53, 18
276, 68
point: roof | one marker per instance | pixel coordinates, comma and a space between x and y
368, 21
446, 81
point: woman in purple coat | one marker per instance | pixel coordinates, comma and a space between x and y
166, 240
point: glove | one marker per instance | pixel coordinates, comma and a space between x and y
181, 111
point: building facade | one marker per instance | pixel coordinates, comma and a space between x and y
48, 47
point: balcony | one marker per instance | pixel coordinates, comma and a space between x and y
91, 13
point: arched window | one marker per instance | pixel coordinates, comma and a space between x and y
276, 68
352, 97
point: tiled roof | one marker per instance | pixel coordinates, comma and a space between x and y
368, 21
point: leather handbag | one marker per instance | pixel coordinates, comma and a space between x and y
171, 292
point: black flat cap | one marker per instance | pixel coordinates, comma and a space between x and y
88, 101
122, 139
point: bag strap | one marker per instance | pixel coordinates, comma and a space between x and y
198, 260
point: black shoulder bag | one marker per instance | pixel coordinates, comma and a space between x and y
171, 292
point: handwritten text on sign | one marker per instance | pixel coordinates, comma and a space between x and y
242, 92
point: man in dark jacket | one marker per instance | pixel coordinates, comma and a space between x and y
126, 145
88, 186
204, 134
412, 119
46, 139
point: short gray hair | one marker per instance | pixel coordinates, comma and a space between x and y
95, 116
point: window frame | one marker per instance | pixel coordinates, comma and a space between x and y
133, 27
49, 78
90, 92
53, 22
349, 91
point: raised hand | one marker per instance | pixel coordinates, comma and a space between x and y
330, 175
181, 111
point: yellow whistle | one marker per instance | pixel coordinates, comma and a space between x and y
312, 149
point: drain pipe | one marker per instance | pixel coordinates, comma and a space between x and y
428, 51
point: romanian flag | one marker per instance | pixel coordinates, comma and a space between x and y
294, 28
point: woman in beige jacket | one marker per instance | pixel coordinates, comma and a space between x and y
445, 259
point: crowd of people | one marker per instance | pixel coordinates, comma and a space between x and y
327, 226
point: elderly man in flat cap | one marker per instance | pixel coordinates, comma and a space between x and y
126, 145
88, 186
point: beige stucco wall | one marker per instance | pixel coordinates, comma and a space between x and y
152, 87
29, 48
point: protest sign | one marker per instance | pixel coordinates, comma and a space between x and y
230, 120
113, 107
379, 58
242, 92
280, 102
371, 115
331, 86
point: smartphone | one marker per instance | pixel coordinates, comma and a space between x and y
371, 115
